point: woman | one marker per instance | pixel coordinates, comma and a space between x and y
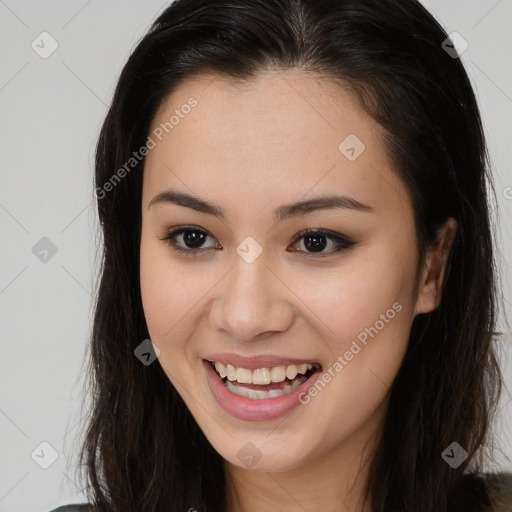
298, 295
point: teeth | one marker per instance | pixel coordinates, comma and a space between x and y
261, 376
244, 376
278, 374
221, 369
302, 368
256, 394
291, 372
230, 372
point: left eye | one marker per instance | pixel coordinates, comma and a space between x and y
315, 241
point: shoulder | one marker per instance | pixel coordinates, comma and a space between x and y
83, 507
489, 492
499, 487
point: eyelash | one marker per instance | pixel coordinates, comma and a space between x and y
342, 241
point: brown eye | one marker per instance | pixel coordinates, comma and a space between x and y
193, 239
315, 242
189, 240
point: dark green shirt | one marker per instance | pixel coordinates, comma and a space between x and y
84, 507
499, 488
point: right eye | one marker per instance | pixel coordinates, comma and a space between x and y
192, 239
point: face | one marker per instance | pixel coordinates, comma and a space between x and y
232, 272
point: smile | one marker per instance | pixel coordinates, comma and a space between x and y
262, 383
259, 393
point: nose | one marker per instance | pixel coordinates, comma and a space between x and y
252, 303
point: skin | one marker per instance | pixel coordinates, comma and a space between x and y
251, 147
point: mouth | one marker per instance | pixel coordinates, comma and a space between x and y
264, 383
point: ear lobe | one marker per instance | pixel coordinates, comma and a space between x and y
431, 279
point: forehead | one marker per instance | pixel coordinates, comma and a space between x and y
281, 135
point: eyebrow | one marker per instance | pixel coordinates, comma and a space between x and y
281, 213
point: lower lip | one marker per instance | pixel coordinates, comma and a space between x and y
248, 409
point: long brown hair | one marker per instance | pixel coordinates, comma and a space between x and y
142, 449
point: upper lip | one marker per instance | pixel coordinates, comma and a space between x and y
258, 361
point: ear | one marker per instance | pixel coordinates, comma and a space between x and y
432, 275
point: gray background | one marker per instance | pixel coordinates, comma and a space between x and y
51, 111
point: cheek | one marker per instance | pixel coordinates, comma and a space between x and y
156, 289
169, 293
354, 296
368, 310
